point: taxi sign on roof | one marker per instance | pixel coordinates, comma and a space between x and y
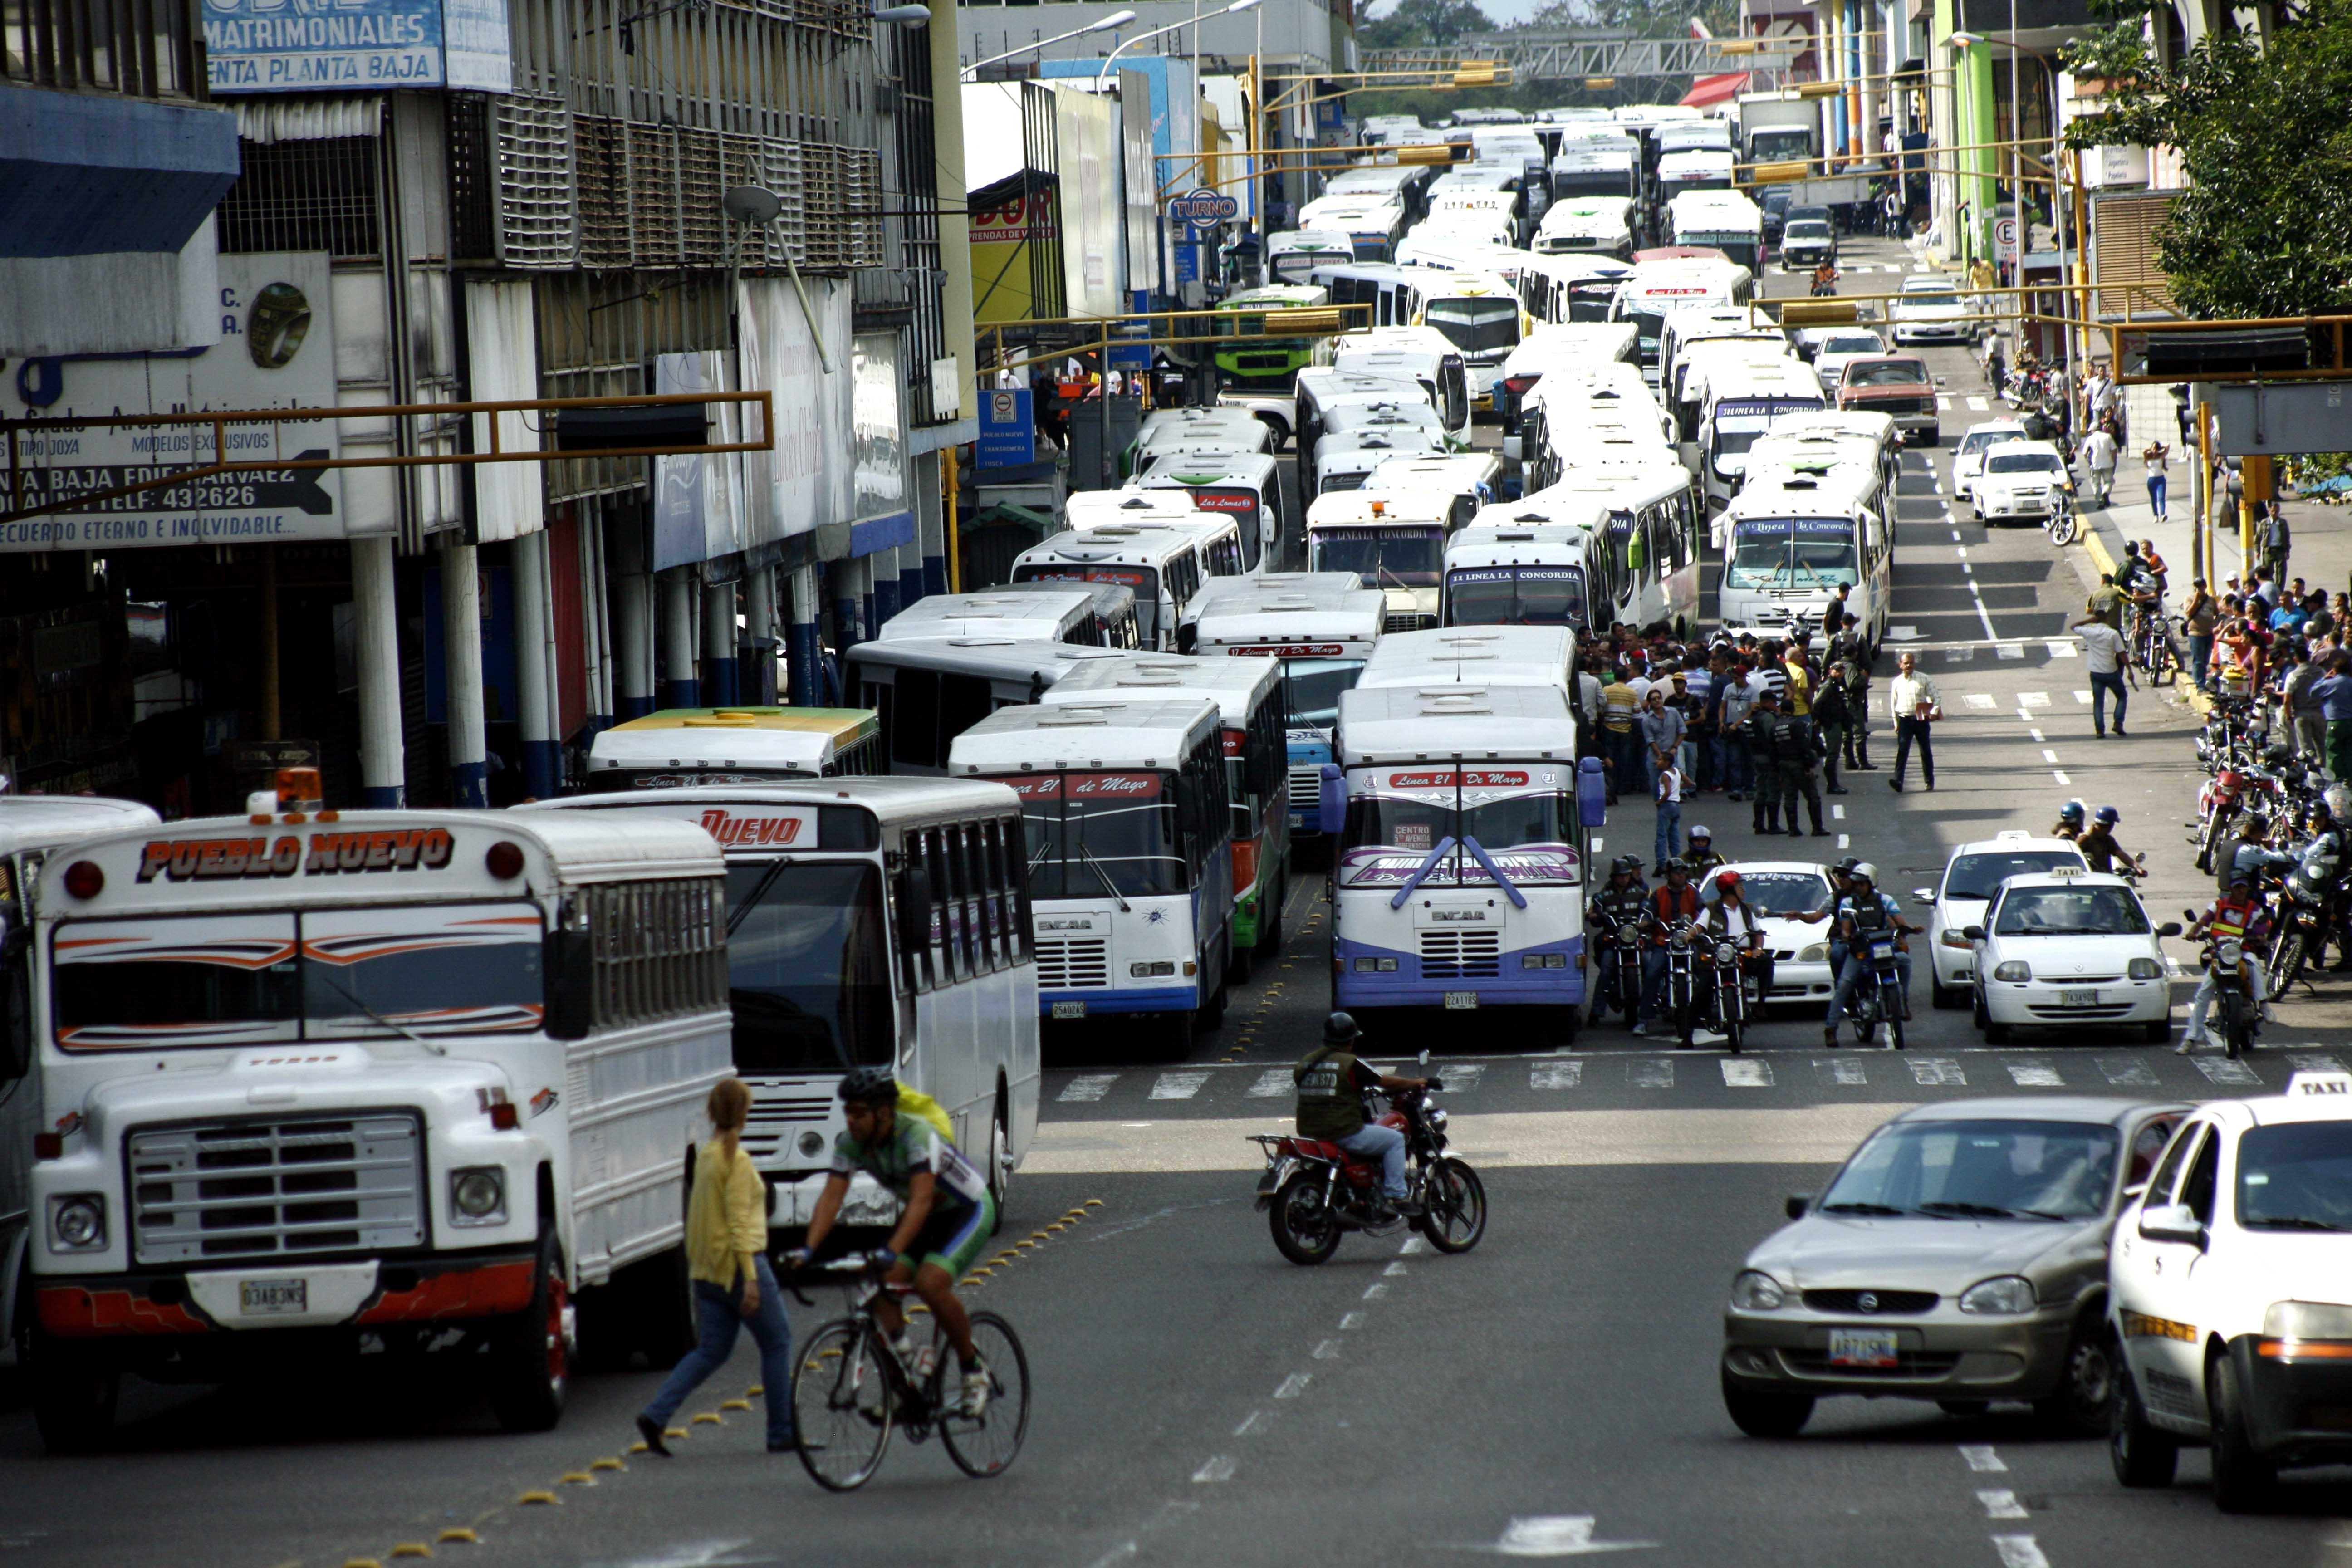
2319, 1083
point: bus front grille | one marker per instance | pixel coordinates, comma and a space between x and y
1074, 966
1461, 955
277, 1188
772, 1127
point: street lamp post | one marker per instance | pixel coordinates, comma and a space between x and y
1193, 21
1101, 23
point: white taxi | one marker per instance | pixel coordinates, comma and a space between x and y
2022, 481
1968, 456
1959, 902
2066, 948
2229, 1293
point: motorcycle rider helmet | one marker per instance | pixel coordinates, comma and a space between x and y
868, 1085
1864, 871
1339, 1029
2338, 799
1675, 863
2108, 817
1728, 878
1626, 865
1702, 831
1845, 866
2241, 879
2071, 811
2318, 812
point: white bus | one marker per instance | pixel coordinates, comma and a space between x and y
1393, 540
1129, 852
1319, 391
674, 746
1240, 487
1655, 287
1083, 509
1422, 356
878, 922
1473, 479
1343, 460
1164, 566
1739, 403
1322, 627
1535, 573
1870, 440
1460, 881
1723, 219
1686, 336
1248, 694
1793, 541
1650, 566
1705, 169
1587, 225
1596, 168
1474, 655
1056, 615
1294, 254
1571, 346
420, 1079
1480, 315
1405, 423
925, 691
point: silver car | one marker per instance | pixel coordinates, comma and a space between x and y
1960, 1254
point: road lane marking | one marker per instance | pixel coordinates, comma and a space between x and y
1328, 1351
1557, 1535
2009, 650
1938, 1072
1272, 1082
2222, 1069
2019, 1551
1845, 841
1091, 1086
1393, 1269
1255, 1424
1413, 1246
2047, 755
1555, 1074
1220, 1469
2304, 1061
2035, 1075
2127, 1072
1179, 1084
1981, 1457
1837, 813
1746, 1072
1980, 699
1978, 406
2064, 650
2034, 699
1460, 1078
1846, 1070
1351, 1320
2039, 737
2083, 698
1294, 1386
2062, 778
2001, 1505
1375, 1290
1650, 1072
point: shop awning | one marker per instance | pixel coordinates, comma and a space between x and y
1710, 90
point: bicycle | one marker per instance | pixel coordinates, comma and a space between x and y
850, 1389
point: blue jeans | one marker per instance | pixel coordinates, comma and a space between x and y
2201, 658
1855, 972
1372, 1139
1738, 766
1670, 832
2100, 686
718, 1315
2156, 494
1632, 763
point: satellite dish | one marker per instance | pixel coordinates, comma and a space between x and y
754, 204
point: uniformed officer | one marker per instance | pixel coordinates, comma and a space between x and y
1763, 751
1797, 758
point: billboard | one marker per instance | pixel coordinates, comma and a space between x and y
311, 46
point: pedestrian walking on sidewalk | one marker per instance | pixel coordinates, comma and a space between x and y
2155, 455
1916, 705
734, 1286
2103, 651
2278, 541
2099, 457
2197, 618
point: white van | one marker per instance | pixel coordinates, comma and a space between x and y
1218, 422
1163, 565
1240, 486
1792, 542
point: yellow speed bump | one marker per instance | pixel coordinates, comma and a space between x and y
734, 1404
710, 1418
457, 1533
1058, 1226
756, 1390
638, 1449
1093, 1203
578, 1479
608, 1464
982, 1273
412, 1549
1024, 1246
675, 1432
545, 1500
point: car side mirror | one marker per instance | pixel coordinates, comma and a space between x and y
2169, 928
1796, 1205
1974, 933
2172, 1222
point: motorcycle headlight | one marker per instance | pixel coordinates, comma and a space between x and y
1950, 937
2146, 969
2307, 1320
1726, 953
1818, 953
78, 1222
1755, 1291
2015, 968
2006, 1296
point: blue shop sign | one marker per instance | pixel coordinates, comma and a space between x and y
313, 46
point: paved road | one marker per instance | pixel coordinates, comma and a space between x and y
1201, 1401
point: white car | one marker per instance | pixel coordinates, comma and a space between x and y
1931, 312
1959, 902
1968, 456
1780, 891
1842, 345
2023, 481
2229, 1291
2065, 950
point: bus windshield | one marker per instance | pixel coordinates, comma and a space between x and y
808, 965
1416, 824
1793, 553
1515, 597
1477, 326
1311, 687
1144, 580
1094, 834
1382, 557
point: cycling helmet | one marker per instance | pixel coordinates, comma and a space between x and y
1339, 1029
868, 1085
1864, 871
1703, 831
2071, 811
2106, 817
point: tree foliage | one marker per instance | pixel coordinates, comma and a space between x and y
2265, 135
1424, 25
1644, 18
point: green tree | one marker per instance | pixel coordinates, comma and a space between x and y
1424, 25
1644, 18
2265, 134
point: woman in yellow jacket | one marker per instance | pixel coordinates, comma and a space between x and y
727, 1253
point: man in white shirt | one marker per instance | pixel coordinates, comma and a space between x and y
2099, 456
2103, 651
1916, 704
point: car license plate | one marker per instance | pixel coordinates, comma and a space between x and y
1863, 1347
1462, 1001
2078, 998
1069, 1009
273, 1298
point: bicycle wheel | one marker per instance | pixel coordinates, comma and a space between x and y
988, 1445
841, 1406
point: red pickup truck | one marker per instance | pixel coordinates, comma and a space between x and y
1894, 384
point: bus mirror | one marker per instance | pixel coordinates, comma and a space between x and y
1873, 532
1592, 795
1332, 800
571, 966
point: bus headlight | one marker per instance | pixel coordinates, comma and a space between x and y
1543, 960
477, 1196
1376, 965
78, 1222
1157, 969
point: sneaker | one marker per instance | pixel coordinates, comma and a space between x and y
975, 1392
2190, 1043
2270, 1014
651, 1431
1707, 1037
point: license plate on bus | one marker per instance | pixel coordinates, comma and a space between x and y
2078, 998
273, 1298
1461, 1000
1298, 820
1069, 1009
1863, 1347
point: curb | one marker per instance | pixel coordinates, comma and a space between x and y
2199, 702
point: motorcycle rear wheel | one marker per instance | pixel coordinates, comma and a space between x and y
1454, 1200
1304, 1231
2061, 529
2287, 965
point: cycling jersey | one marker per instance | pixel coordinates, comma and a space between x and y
912, 1147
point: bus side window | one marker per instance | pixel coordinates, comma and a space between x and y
906, 906
964, 702
995, 914
983, 901
915, 735
955, 892
1015, 834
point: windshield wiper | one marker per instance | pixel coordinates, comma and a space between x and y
1987, 1211
1088, 856
2292, 1222
758, 891
379, 1019
1862, 1208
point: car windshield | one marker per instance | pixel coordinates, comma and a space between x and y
1976, 441
1977, 876
1792, 552
1090, 833
1853, 345
2071, 912
1930, 297
1477, 326
2296, 1176
1311, 687
2023, 463
1892, 373
1783, 892
1978, 1170
1381, 557
808, 965
1808, 229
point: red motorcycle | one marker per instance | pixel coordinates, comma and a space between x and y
1314, 1192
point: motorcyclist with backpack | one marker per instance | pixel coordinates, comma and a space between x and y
1332, 1082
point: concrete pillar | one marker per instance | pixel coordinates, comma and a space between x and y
719, 684
383, 765
883, 572
596, 621
461, 674
633, 637
802, 646
535, 656
929, 567
679, 688
759, 678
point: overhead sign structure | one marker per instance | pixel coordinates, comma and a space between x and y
309, 46
1204, 208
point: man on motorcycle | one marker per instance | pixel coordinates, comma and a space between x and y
1332, 1082
1619, 903
2072, 818
1731, 916
1674, 902
1862, 911
1700, 857
2099, 846
1825, 278
2236, 915
2321, 868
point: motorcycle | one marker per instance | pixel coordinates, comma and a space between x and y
2302, 931
1625, 938
1731, 1000
1681, 1002
2061, 523
1313, 1191
2234, 1007
1825, 288
1879, 998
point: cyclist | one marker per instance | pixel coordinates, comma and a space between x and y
2100, 848
2072, 818
1332, 1082
947, 1220
1864, 910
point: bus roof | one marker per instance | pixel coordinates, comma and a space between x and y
1117, 544
1403, 723
1240, 685
1523, 544
1841, 490
801, 739
1551, 507
1154, 732
1007, 659
1282, 295
1035, 614
1284, 607
895, 802
46, 821
1198, 470
1363, 509
1461, 473
1476, 655
1095, 508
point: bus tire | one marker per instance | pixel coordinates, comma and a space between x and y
530, 1354
1000, 1168
1269, 918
